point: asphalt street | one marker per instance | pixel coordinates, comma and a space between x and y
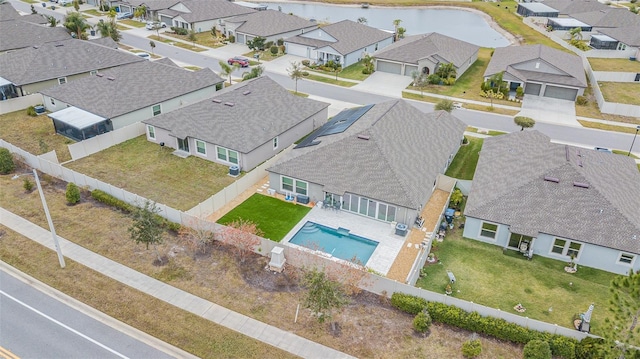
35, 325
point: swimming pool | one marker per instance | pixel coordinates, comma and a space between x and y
337, 242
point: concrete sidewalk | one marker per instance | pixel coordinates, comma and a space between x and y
240, 323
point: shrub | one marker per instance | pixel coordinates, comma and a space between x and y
408, 303
471, 348
434, 79
633, 1
31, 111
589, 348
232, 39
519, 92
283, 49
537, 349
108, 199
273, 50
6, 162
27, 185
306, 63
280, 41
73, 193
179, 30
422, 322
582, 101
305, 73
268, 44
366, 72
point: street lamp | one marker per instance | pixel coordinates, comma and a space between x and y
634, 140
46, 212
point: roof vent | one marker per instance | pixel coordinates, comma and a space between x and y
35, 47
580, 184
537, 65
579, 162
111, 78
552, 179
216, 100
246, 93
99, 74
59, 45
566, 152
230, 104
363, 137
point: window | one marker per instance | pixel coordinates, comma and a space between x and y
152, 131
233, 157
62, 80
53, 102
626, 258
489, 230
368, 207
93, 72
275, 143
201, 147
296, 186
574, 249
156, 110
566, 248
227, 155
558, 246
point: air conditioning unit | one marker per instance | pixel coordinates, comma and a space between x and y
234, 171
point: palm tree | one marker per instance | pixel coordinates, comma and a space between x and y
576, 33
497, 81
401, 31
396, 23
75, 23
53, 22
140, 12
295, 72
227, 69
109, 29
362, 20
446, 71
255, 72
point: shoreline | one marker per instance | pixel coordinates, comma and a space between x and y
512, 39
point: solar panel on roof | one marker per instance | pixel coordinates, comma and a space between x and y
338, 124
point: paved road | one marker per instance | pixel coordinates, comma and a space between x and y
35, 325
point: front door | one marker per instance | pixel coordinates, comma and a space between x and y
183, 145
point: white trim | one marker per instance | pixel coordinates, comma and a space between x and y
195, 140
294, 186
226, 153
495, 238
633, 259
565, 249
151, 132
153, 111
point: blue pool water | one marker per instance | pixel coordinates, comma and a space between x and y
337, 242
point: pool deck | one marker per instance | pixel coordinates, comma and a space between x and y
389, 244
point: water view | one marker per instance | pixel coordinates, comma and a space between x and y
460, 24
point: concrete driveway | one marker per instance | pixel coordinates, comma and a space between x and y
551, 110
385, 84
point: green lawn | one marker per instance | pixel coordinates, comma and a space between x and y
94, 12
617, 65
133, 23
486, 276
330, 80
354, 72
621, 92
151, 171
464, 164
273, 216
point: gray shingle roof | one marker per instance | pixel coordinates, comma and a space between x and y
398, 164
17, 34
507, 58
350, 36
153, 5
105, 41
202, 10
509, 188
628, 35
566, 7
414, 48
8, 12
270, 22
610, 17
58, 59
134, 86
267, 111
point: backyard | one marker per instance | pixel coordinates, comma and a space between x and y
615, 65
273, 216
464, 164
151, 171
621, 92
485, 275
35, 135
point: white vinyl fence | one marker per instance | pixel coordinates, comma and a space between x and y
96, 144
20, 103
297, 258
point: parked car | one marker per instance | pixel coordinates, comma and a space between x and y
144, 55
65, 2
124, 15
242, 61
603, 149
152, 25
457, 105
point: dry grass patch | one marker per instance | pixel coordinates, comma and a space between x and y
592, 110
217, 276
621, 92
616, 65
607, 127
35, 135
133, 23
151, 171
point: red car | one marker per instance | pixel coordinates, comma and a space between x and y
242, 61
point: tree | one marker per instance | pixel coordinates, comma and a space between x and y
496, 81
323, 295
243, 236
76, 24
444, 105
257, 43
536, 349
295, 72
76, 5
420, 80
362, 20
109, 29
446, 71
401, 32
147, 226
6, 162
140, 12
196, 236
227, 70
192, 37
620, 332
575, 34
367, 61
53, 22
396, 24
152, 45
255, 72
524, 122
33, 9
73, 193
422, 322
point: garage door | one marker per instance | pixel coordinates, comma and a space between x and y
532, 89
562, 93
166, 20
390, 67
409, 69
296, 50
240, 38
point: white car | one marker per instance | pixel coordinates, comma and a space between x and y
457, 105
65, 2
144, 55
153, 25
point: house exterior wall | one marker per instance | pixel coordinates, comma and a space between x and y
590, 255
470, 61
428, 63
38, 86
319, 34
204, 26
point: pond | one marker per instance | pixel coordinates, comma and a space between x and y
460, 24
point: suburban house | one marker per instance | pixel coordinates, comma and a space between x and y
425, 53
608, 18
270, 24
345, 42
556, 201
621, 38
124, 95
567, 24
540, 70
152, 6
242, 125
201, 15
570, 7
19, 34
380, 161
536, 9
32, 69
